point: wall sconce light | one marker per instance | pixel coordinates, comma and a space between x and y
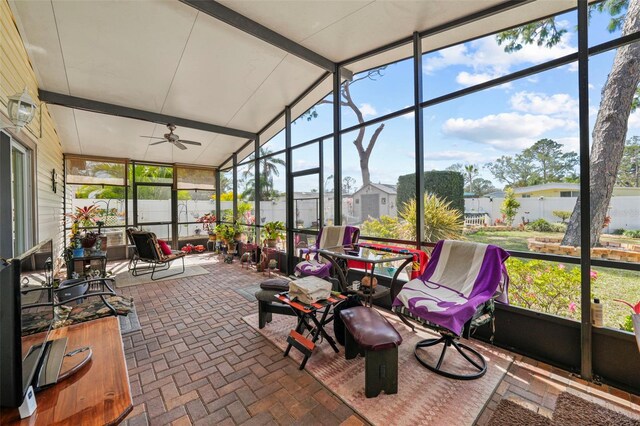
54, 181
21, 109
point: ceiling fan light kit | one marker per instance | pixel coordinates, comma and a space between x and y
172, 138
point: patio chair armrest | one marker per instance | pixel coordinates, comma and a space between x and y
84, 296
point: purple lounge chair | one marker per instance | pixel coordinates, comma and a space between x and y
329, 237
456, 293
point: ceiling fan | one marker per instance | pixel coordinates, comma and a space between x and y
172, 138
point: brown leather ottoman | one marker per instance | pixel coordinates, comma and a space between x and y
370, 334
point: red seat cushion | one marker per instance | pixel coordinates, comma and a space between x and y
369, 329
166, 250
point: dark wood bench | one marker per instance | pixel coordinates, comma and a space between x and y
370, 334
267, 302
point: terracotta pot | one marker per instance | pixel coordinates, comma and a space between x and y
231, 246
272, 243
366, 281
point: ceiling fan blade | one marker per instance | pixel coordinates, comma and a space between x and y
156, 143
152, 137
179, 145
190, 142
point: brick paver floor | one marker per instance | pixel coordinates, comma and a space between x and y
197, 362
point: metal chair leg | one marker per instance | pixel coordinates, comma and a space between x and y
468, 353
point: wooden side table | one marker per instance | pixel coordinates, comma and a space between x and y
97, 394
308, 320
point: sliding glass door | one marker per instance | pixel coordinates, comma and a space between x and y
21, 194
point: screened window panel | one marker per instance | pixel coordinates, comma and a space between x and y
193, 178
85, 172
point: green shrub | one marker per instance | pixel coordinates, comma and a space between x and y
545, 287
619, 231
559, 227
385, 227
509, 207
632, 234
540, 225
628, 324
441, 220
563, 215
446, 184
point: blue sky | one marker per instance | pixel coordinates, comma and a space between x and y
474, 129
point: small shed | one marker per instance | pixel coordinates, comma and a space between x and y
375, 200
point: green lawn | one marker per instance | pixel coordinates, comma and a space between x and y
610, 284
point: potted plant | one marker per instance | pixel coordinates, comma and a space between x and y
208, 221
272, 232
89, 239
76, 247
228, 232
635, 318
86, 216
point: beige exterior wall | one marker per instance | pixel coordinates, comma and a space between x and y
617, 192
541, 193
16, 73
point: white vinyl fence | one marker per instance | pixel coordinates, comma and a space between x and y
624, 211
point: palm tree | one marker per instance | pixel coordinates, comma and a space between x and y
471, 170
268, 164
266, 190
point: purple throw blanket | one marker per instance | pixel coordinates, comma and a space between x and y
459, 278
329, 237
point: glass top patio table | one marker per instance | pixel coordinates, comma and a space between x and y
332, 254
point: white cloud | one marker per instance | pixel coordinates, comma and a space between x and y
560, 104
367, 110
488, 59
471, 157
569, 144
454, 55
467, 79
506, 131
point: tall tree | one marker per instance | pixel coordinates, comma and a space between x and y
470, 173
481, 186
348, 184
514, 171
543, 162
617, 99
478, 186
346, 100
268, 164
551, 164
328, 184
629, 171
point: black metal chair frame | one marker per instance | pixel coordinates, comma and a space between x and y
132, 243
483, 315
109, 291
147, 252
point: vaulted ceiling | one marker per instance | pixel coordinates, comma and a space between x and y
170, 58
